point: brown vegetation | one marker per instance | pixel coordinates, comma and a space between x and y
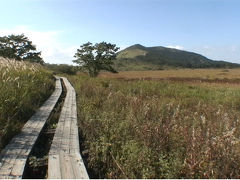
160, 129
177, 73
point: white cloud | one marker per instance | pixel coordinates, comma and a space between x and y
175, 47
122, 47
229, 53
53, 51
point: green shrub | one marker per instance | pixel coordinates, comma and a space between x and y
62, 69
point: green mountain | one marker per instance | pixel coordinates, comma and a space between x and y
138, 57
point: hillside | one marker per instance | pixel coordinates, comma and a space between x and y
138, 57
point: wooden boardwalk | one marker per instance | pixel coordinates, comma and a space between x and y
13, 158
65, 161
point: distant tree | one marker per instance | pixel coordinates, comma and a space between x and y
95, 58
62, 68
20, 48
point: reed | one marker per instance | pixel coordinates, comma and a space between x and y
23, 88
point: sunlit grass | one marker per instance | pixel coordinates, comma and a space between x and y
23, 88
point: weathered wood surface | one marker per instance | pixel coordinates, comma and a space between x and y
14, 156
65, 161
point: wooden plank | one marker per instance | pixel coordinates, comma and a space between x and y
79, 168
54, 161
65, 143
14, 156
66, 166
19, 164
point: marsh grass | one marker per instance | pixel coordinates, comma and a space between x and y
23, 88
158, 129
210, 74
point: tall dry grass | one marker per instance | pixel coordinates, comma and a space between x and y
150, 129
23, 88
177, 73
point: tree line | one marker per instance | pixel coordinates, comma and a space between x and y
91, 58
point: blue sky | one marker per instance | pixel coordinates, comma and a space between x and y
59, 27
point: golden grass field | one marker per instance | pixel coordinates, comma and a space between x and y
203, 77
177, 73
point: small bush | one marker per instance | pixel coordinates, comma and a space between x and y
62, 69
